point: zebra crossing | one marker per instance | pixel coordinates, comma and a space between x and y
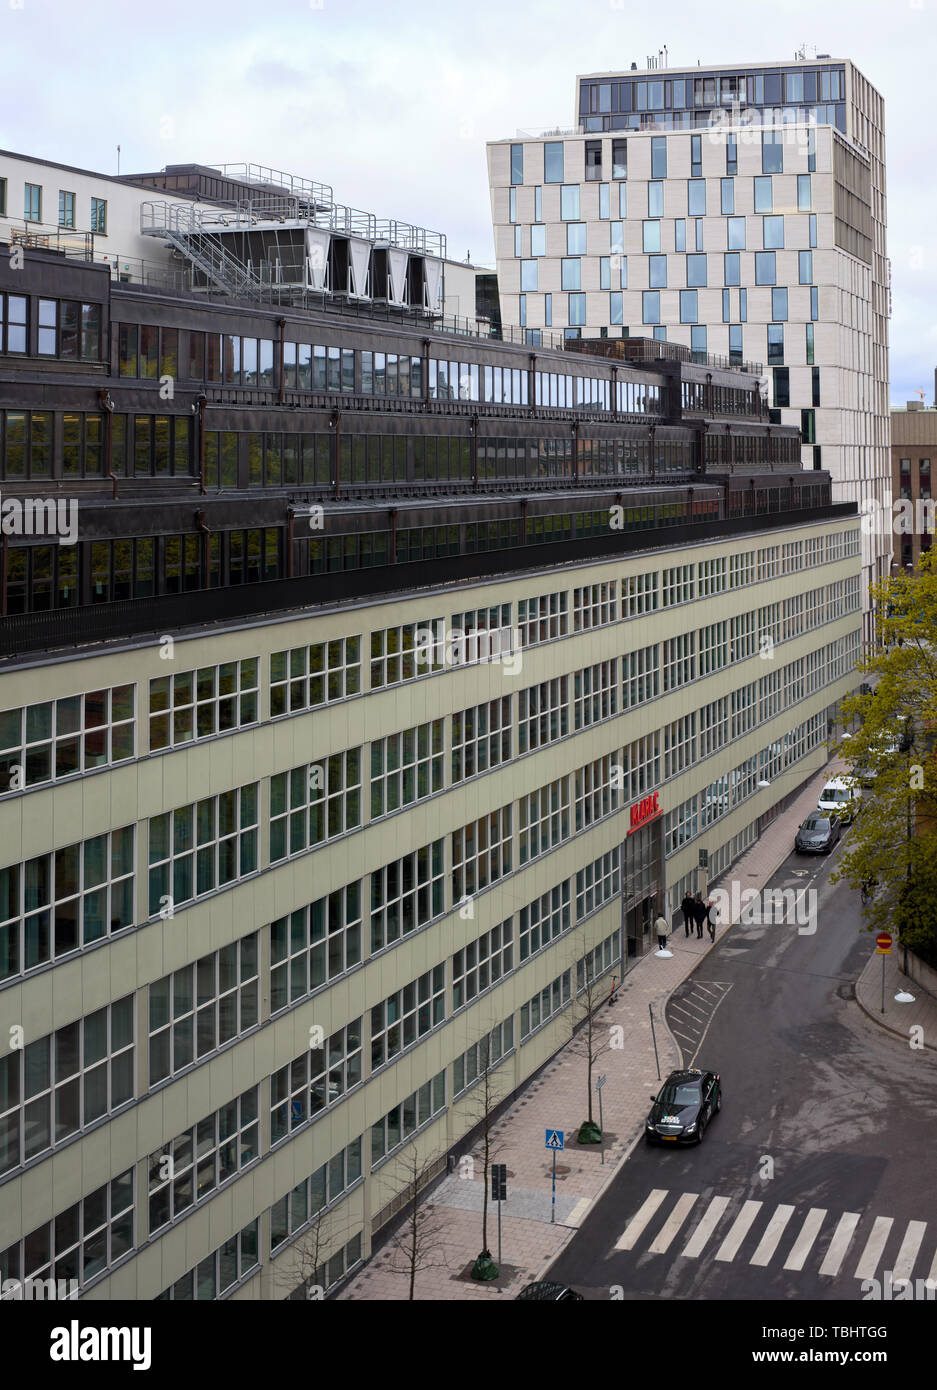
785, 1239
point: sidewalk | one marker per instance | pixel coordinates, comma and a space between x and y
897, 1018
555, 1098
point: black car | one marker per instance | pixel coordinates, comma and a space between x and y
545, 1292
686, 1103
818, 834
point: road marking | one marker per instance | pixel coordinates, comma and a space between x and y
804, 1242
673, 1223
911, 1244
868, 1260
704, 1230
842, 1236
629, 1237
773, 1232
692, 1012
578, 1212
933, 1269
740, 1228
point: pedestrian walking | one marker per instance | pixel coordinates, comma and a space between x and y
686, 907
660, 926
699, 914
711, 911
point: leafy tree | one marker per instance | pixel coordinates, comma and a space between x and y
893, 840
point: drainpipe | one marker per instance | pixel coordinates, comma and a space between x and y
104, 396
3, 574
532, 386
206, 531
652, 434
335, 424
426, 343
614, 392
473, 426
281, 324
201, 405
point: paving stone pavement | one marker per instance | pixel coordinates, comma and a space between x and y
897, 1018
554, 1098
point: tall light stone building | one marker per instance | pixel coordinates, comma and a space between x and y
737, 210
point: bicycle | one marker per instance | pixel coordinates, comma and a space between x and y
868, 891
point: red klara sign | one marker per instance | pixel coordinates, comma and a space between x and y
647, 809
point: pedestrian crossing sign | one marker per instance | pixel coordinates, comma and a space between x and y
555, 1139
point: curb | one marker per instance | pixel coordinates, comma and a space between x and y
877, 1018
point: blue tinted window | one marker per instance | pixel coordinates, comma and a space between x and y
604, 202
696, 271
569, 202
658, 156
764, 201
696, 197
726, 306
812, 221
735, 231
765, 268
727, 194
512, 202
577, 308
774, 233
650, 306
605, 274
679, 233
803, 193
814, 302
651, 236
775, 344
779, 305
622, 200
538, 240
772, 152
517, 163
529, 275
571, 275
576, 239
553, 162
743, 305
735, 345
805, 266
655, 200
616, 237
688, 306
614, 307
731, 268
698, 338
657, 272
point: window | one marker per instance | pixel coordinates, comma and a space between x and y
679, 234
593, 160
732, 154
616, 238
735, 345
305, 677
203, 846
696, 198
408, 1015
765, 268
553, 162
201, 1007
538, 240
688, 306
548, 310
198, 704
698, 340
808, 426
481, 852
812, 225
32, 202
743, 305
595, 693
619, 159
63, 1082
569, 202
604, 201
512, 204
695, 271
615, 310
658, 157
538, 204
62, 738
657, 272
12, 323
3, 197
651, 233
772, 152
406, 894
543, 920
577, 308
193, 1165
804, 202
98, 215
529, 276
544, 1005
696, 155
782, 387
726, 306
731, 267
735, 233
407, 1117
812, 149
570, 275
518, 241
773, 233
302, 1204
814, 302
779, 305
59, 902
481, 738
543, 714
66, 209
809, 345
517, 163
406, 767
815, 387
727, 192
650, 306
79, 1243
655, 200
805, 267
314, 803
775, 343
764, 199
314, 944
314, 1081
482, 1056
223, 1268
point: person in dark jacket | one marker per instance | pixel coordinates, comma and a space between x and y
699, 914
711, 911
686, 907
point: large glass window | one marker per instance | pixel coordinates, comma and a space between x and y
538, 239
655, 200
659, 157
765, 268
650, 306
688, 306
805, 267
569, 202
553, 161
696, 197
809, 344
593, 160
571, 274
731, 268
619, 159
517, 163
695, 271
803, 193
774, 233
782, 387
651, 232
772, 152
727, 194
698, 340
605, 207
696, 155
732, 155
735, 345
779, 305
529, 275
576, 239
679, 234
98, 215
657, 272
814, 302
764, 197
32, 202
775, 344
577, 308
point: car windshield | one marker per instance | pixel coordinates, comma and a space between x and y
815, 823
835, 794
677, 1095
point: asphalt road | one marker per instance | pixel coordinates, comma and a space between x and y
819, 1170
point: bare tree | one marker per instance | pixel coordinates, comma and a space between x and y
484, 1100
588, 1038
303, 1265
415, 1243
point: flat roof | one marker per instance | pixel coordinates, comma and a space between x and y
125, 182
703, 68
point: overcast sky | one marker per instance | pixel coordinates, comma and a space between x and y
391, 104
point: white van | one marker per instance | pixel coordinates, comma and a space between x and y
841, 800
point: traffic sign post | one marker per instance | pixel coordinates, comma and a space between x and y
555, 1140
883, 949
598, 1086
